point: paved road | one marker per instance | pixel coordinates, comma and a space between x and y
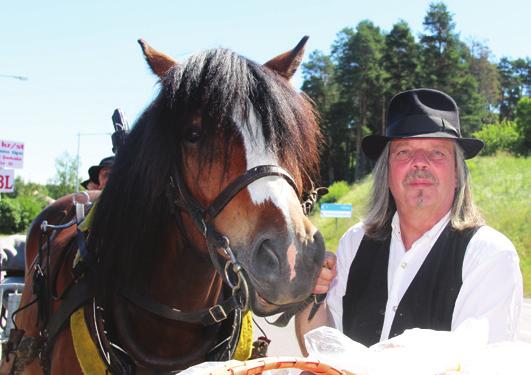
284, 342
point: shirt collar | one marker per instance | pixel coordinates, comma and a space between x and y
435, 230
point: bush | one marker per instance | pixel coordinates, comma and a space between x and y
30, 207
9, 215
335, 192
17, 214
502, 136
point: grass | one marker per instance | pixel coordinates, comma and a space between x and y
501, 187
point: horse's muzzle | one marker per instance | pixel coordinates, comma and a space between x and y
283, 271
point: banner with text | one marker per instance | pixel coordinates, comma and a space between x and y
11, 154
7, 180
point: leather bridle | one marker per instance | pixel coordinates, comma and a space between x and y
218, 245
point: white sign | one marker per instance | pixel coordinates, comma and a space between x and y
7, 180
336, 210
11, 154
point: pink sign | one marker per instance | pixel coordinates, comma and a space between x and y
11, 154
7, 180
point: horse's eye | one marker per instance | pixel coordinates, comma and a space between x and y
193, 134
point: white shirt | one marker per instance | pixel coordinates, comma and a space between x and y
492, 281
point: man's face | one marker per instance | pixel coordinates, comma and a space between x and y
103, 176
422, 174
92, 186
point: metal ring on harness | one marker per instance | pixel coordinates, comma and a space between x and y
241, 285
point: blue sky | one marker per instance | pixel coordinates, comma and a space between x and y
82, 60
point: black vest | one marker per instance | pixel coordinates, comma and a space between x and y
429, 300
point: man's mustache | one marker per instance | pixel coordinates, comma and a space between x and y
420, 174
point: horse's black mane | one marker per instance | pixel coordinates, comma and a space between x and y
217, 84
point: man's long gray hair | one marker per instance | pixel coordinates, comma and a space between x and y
382, 207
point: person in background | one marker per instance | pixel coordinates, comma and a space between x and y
423, 256
99, 174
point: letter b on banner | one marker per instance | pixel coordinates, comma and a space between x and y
7, 179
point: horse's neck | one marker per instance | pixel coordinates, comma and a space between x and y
191, 271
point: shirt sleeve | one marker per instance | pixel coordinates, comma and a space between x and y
492, 285
346, 252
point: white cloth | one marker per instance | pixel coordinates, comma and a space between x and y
492, 281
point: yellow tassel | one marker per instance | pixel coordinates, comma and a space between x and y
86, 352
245, 343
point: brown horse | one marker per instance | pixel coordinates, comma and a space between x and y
201, 219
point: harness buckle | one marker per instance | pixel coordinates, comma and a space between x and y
217, 312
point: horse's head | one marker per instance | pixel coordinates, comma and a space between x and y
231, 115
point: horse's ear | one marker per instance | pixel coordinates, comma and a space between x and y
159, 62
287, 63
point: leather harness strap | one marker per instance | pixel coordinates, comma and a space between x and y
77, 296
206, 317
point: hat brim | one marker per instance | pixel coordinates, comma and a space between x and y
85, 184
373, 145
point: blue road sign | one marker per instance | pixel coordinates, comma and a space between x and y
336, 210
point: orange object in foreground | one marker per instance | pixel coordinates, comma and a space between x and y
259, 365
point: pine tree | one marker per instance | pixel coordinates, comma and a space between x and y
486, 74
319, 84
361, 76
401, 59
445, 66
515, 81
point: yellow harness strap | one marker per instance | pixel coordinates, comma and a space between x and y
87, 354
245, 343
87, 222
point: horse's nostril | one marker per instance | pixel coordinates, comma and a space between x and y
265, 259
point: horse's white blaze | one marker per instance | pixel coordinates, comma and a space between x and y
271, 188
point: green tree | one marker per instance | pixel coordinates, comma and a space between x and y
488, 79
515, 80
439, 49
445, 65
523, 123
65, 180
401, 59
320, 85
361, 76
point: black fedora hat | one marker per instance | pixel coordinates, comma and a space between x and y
95, 169
421, 113
85, 183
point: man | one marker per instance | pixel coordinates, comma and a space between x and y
422, 257
99, 174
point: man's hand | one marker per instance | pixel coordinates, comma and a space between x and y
327, 274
